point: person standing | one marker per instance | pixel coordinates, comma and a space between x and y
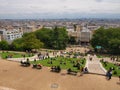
81, 71
119, 78
109, 74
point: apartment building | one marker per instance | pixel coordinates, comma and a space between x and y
10, 35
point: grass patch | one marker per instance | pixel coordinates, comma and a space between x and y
116, 68
59, 61
99, 56
5, 55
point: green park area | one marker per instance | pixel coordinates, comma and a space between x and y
7, 54
100, 56
65, 63
115, 67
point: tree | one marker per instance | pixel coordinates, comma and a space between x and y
4, 45
45, 36
108, 39
27, 42
75, 27
59, 38
114, 45
17, 44
56, 38
31, 42
72, 40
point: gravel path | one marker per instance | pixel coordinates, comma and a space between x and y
15, 77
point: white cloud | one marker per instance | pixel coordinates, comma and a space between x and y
59, 6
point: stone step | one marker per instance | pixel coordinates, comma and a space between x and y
94, 66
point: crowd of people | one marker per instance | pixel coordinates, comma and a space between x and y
82, 69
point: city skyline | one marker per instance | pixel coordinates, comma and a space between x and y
34, 9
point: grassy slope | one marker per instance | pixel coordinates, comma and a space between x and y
115, 67
14, 55
56, 62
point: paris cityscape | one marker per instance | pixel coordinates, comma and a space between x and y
60, 45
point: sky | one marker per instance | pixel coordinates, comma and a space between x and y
33, 9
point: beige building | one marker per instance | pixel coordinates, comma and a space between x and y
75, 32
82, 34
30, 28
85, 35
0, 37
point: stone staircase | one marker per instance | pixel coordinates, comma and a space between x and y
94, 66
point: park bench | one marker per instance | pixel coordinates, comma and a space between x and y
37, 66
71, 72
55, 69
25, 64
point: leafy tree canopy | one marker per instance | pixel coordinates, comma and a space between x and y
27, 42
55, 38
108, 39
4, 45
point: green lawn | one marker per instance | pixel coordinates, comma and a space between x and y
99, 56
116, 71
56, 61
4, 55
102, 56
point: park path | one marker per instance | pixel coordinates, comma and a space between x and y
23, 59
32, 58
94, 66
